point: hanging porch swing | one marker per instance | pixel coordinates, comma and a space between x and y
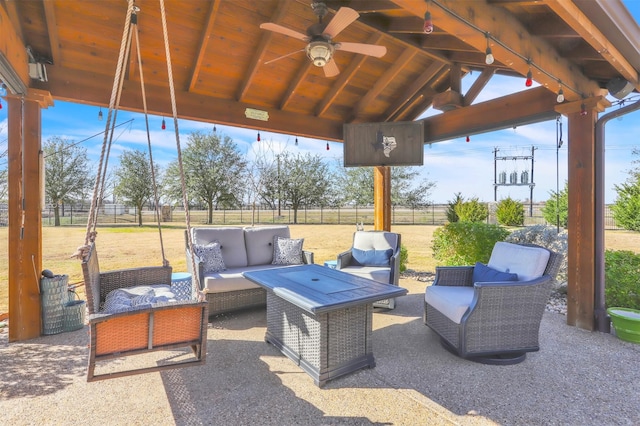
160, 325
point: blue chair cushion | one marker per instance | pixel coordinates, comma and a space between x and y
371, 257
482, 273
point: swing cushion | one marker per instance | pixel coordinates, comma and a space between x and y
211, 256
139, 297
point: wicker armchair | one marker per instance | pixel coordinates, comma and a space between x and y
379, 241
162, 327
491, 322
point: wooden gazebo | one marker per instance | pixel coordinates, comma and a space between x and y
224, 73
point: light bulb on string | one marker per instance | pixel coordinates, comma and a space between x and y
327, 146
529, 81
560, 97
296, 141
100, 114
164, 125
214, 128
428, 23
583, 109
0, 104
489, 54
468, 138
258, 139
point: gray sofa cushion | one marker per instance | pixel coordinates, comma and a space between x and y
259, 243
232, 279
376, 273
527, 262
451, 301
231, 241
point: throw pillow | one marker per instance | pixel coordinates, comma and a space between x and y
482, 274
371, 257
287, 251
211, 256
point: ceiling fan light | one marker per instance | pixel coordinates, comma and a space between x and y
320, 52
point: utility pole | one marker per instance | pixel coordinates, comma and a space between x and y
279, 193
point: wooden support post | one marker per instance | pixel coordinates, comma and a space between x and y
25, 223
382, 198
581, 254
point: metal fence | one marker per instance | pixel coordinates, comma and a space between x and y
434, 214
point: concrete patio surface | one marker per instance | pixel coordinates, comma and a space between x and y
577, 378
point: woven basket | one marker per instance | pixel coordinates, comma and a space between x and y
53, 294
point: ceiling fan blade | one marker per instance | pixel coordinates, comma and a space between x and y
331, 69
270, 26
340, 21
362, 48
283, 56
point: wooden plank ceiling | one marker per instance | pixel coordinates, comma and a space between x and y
219, 54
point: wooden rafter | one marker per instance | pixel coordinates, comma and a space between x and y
577, 20
412, 90
295, 83
52, 29
345, 77
383, 81
261, 50
478, 85
472, 20
204, 42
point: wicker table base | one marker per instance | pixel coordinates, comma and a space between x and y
325, 345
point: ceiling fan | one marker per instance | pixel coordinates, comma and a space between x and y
321, 47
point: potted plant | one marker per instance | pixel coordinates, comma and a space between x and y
622, 293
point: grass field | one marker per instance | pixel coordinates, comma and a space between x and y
128, 247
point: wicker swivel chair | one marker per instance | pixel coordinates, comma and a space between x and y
374, 255
489, 319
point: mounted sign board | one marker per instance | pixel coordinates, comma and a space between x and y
256, 114
384, 144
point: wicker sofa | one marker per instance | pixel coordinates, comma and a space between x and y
242, 250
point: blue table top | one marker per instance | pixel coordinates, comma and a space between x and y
318, 289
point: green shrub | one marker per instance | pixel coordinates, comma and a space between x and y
472, 211
557, 207
404, 258
510, 212
465, 243
452, 216
622, 279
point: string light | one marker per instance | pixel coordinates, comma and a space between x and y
164, 125
428, 23
583, 109
296, 141
214, 128
327, 146
560, 97
489, 58
100, 114
529, 81
258, 137
0, 104
468, 138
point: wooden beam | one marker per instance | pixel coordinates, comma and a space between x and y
382, 82
529, 106
295, 83
345, 77
52, 30
204, 42
261, 50
71, 85
412, 90
472, 20
382, 198
569, 12
581, 245
25, 227
14, 68
478, 85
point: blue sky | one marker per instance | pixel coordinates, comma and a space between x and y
455, 165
